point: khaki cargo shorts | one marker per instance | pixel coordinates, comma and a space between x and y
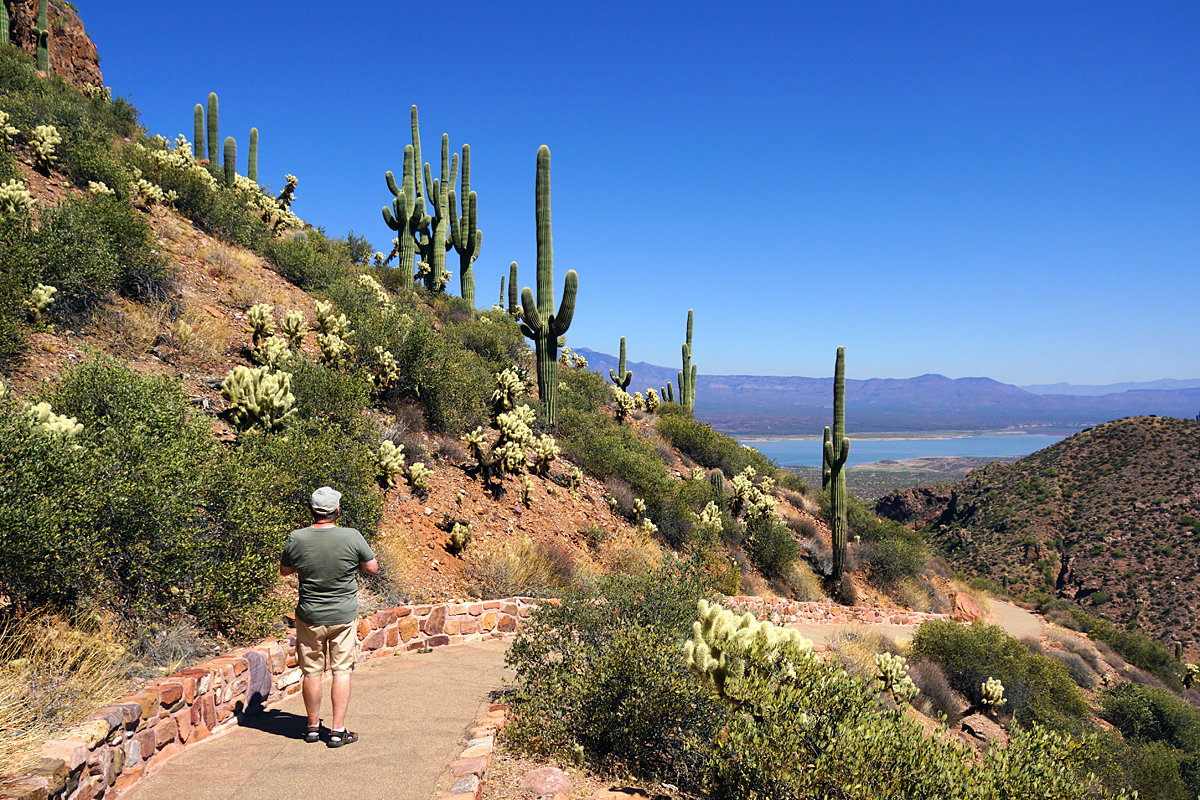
321, 647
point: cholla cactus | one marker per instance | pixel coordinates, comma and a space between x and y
261, 322
652, 400
184, 334
476, 442
329, 324
14, 196
625, 404
526, 491
709, 519
385, 373
335, 351
509, 389
697, 474
45, 138
639, 402
99, 189
1191, 672
460, 537
54, 424
575, 480
146, 194
272, 352
993, 695
259, 397
578, 361
293, 328
418, 476
647, 527
289, 192
639, 508
742, 485
390, 462
7, 132
93, 92
545, 451
39, 302
514, 426
721, 643
565, 356
373, 286
894, 679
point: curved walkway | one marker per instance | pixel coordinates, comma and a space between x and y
411, 711
1017, 622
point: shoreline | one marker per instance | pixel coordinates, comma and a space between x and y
883, 436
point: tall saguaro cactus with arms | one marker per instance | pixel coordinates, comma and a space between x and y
541, 324
464, 234
409, 216
42, 31
837, 448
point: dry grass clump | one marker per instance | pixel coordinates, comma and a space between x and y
132, 327
227, 262
527, 569
936, 698
52, 676
801, 583
207, 341
855, 650
629, 552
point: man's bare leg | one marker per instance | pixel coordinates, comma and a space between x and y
341, 699
311, 689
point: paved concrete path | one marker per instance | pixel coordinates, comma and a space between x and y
411, 711
1017, 622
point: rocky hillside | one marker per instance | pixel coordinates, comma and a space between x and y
1109, 518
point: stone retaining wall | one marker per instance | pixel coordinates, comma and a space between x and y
110, 752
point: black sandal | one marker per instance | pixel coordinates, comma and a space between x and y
340, 738
314, 734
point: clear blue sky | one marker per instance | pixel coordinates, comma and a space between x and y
1000, 189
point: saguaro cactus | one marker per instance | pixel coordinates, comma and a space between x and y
500, 303
541, 324
435, 235
252, 157
466, 238
409, 213
198, 132
837, 448
5, 22
42, 32
212, 129
230, 160
621, 377
514, 305
687, 376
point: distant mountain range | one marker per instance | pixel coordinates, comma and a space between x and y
747, 405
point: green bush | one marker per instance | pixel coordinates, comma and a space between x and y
704, 445
49, 550
499, 343
1154, 769
585, 392
452, 384
1037, 689
605, 449
1151, 714
1136, 648
305, 262
86, 248
326, 395
771, 546
893, 559
603, 671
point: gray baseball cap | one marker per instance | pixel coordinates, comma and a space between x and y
326, 499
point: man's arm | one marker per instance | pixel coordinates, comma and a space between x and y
369, 567
285, 571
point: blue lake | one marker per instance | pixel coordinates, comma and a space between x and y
807, 452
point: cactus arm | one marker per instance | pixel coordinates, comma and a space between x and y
391, 182
416, 144
561, 321
501, 303
252, 156
514, 308
533, 317
230, 160
621, 377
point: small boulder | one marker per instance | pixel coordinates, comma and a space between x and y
546, 782
966, 608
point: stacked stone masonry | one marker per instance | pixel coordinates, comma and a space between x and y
107, 754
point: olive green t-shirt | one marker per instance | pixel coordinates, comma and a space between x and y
327, 560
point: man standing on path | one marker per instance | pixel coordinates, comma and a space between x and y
326, 558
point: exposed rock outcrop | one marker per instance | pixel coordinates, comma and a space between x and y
72, 54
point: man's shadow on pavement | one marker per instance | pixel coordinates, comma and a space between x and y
275, 721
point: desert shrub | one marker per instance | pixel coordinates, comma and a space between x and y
499, 343
804, 527
328, 395
699, 441
1136, 648
49, 550
799, 583
528, 569
604, 448
1152, 714
1077, 668
87, 248
452, 384
855, 650
585, 392
1038, 690
805, 728
306, 262
792, 482
602, 671
936, 698
771, 546
629, 552
892, 560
